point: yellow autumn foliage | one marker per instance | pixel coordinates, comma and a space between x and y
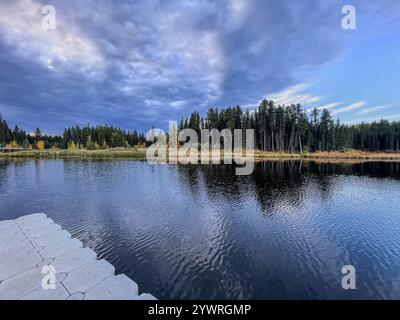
40, 145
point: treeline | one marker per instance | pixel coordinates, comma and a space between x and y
100, 137
18, 138
89, 137
290, 129
277, 128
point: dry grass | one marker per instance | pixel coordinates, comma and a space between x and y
350, 154
131, 153
140, 154
355, 154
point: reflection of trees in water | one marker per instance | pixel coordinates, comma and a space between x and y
371, 169
278, 184
378, 169
272, 184
3, 172
322, 174
8, 171
218, 181
3, 165
190, 178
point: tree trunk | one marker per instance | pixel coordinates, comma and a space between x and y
301, 147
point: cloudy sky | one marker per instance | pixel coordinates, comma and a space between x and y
135, 64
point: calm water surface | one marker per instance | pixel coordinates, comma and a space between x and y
201, 232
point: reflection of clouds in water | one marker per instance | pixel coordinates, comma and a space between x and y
215, 238
203, 232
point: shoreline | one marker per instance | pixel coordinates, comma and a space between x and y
332, 155
140, 154
137, 154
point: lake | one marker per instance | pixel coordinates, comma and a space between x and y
200, 232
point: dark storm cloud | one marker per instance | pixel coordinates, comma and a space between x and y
138, 63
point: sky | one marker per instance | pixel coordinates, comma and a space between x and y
138, 64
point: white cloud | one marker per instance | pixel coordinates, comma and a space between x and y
373, 109
295, 94
351, 107
237, 10
112, 61
65, 46
326, 106
179, 104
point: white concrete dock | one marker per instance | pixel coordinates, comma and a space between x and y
34, 244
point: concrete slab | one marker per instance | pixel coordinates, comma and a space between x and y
114, 288
11, 229
144, 296
59, 293
37, 231
25, 283
76, 296
30, 243
8, 241
50, 237
31, 217
18, 265
87, 276
73, 260
5, 224
24, 225
56, 249
15, 251
21, 284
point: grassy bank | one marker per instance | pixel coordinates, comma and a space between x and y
140, 154
334, 155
